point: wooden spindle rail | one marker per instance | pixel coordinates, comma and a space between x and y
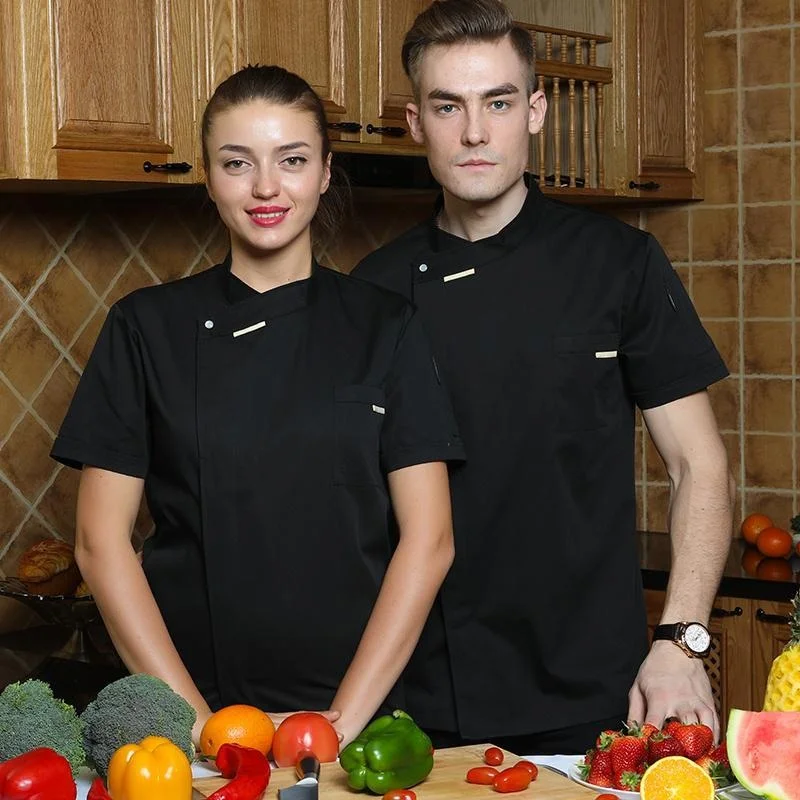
574, 85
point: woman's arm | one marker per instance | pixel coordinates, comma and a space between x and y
107, 506
421, 500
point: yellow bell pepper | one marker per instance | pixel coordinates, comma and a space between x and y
154, 769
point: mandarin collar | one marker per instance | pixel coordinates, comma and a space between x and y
508, 238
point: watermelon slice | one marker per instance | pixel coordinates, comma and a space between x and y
764, 751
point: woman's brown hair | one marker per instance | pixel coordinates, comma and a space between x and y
277, 85
457, 21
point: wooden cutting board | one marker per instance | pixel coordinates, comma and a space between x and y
446, 781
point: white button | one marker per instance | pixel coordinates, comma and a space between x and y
423, 267
209, 324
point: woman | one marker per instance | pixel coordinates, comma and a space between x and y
269, 409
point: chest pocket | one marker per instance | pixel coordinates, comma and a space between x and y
359, 414
587, 377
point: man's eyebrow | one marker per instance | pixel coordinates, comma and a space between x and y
453, 97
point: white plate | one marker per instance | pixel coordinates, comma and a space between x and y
620, 793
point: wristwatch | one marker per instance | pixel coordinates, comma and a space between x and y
692, 637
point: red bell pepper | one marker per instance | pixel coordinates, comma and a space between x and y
98, 791
248, 769
40, 774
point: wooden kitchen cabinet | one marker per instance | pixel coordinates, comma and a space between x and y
93, 90
746, 636
658, 100
348, 50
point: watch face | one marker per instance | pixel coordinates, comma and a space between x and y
697, 638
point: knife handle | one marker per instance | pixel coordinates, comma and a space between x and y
307, 765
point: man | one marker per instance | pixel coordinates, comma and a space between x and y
550, 325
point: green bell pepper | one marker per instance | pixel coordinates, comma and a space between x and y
390, 753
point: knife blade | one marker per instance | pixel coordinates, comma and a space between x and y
307, 786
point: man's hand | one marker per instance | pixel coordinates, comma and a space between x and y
670, 684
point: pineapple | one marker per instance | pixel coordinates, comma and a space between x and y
783, 684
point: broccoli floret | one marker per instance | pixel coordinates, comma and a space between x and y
127, 710
31, 717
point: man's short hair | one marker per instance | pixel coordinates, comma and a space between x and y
459, 21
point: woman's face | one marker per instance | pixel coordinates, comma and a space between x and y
266, 173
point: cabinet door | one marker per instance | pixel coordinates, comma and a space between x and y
317, 39
9, 93
385, 89
661, 94
770, 635
108, 86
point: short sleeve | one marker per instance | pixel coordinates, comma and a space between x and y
106, 423
666, 352
420, 426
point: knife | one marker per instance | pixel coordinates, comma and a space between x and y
307, 786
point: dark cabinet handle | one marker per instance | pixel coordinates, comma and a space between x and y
777, 619
724, 612
386, 130
348, 127
650, 186
175, 166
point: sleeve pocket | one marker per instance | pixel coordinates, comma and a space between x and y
359, 414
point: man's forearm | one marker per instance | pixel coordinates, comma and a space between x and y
700, 521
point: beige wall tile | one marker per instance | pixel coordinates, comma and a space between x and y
778, 507
719, 119
715, 290
12, 512
657, 508
719, 15
733, 445
24, 458
767, 347
640, 521
82, 348
715, 234
63, 302
768, 405
767, 290
655, 471
54, 399
766, 12
10, 409
725, 336
721, 173
766, 116
25, 253
97, 251
767, 175
135, 277
765, 57
724, 396
767, 232
169, 249
720, 62
58, 504
768, 460
671, 227
26, 355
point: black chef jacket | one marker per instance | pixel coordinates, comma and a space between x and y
264, 426
547, 334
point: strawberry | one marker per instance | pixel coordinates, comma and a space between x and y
647, 730
719, 772
697, 740
628, 753
671, 725
598, 778
628, 780
604, 739
601, 767
720, 755
662, 745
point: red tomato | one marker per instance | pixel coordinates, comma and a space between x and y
493, 757
606, 796
305, 730
513, 779
482, 775
400, 794
530, 766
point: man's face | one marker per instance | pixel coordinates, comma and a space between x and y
475, 117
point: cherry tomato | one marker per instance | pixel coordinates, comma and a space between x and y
530, 766
513, 779
482, 775
400, 794
606, 796
305, 730
493, 757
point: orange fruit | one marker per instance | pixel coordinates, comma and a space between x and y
676, 776
775, 542
238, 724
774, 569
751, 558
753, 525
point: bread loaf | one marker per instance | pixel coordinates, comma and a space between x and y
48, 568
